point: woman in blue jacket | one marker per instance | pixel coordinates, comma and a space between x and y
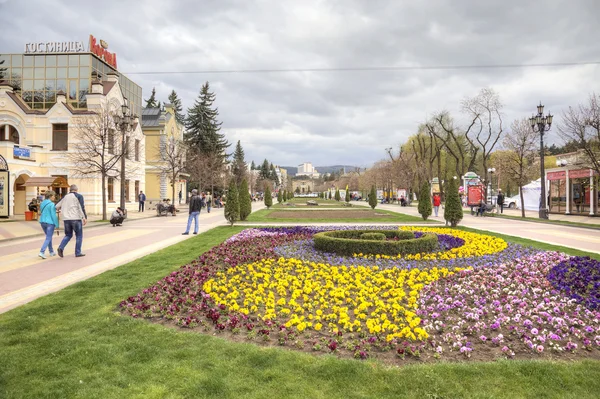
49, 222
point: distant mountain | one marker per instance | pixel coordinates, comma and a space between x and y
291, 170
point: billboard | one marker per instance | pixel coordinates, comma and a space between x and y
475, 194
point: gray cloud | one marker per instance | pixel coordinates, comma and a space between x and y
333, 116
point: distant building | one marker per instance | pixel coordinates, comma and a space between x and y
306, 169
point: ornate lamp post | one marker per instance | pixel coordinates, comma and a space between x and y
126, 122
491, 172
540, 124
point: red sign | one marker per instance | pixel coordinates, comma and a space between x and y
574, 174
561, 175
475, 194
101, 52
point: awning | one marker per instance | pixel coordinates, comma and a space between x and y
54, 182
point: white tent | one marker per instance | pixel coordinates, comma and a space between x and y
531, 196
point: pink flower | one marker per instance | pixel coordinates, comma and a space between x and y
540, 348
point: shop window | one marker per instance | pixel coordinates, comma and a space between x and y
60, 137
111, 189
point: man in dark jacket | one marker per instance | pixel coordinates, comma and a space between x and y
195, 207
500, 201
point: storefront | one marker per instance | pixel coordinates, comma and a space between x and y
573, 191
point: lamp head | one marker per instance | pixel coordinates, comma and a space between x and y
540, 108
549, 119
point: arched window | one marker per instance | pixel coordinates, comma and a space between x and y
11, 132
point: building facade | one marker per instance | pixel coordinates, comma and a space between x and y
161, 129
45, 105
306, 169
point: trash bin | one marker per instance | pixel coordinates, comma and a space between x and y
28, 215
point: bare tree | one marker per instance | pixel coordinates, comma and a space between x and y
172, 163
521, 144
96, 149
484, 109
581, 125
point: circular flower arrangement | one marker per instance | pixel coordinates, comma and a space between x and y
476, 295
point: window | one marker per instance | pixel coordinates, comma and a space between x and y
137, 151
111, 141
60, 137
137, 189
9, 133
127, 190
111, 189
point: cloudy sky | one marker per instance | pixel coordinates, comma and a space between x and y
333, 115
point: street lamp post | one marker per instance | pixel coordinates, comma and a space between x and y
126, 122
491, 172
540, 124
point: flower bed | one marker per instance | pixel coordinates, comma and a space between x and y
579, 278
479, 298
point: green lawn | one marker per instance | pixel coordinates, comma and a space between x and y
316, 216
550, 221
75, 344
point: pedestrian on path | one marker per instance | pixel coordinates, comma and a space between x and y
73, 210
500, 201
48, 221
142, 200
180, 196
195, 207
208, 202
437, 201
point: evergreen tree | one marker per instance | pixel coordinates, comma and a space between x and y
329, 194
347, 195
177, 107
279, 197
252, 166
203, 129
232, 204
268, 199
373, 198
265, 170
151, 102
239, 166
425, 201
337, 195
453, 212
273, 174
284, 196
245, 200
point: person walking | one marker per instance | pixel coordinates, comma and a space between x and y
208, 202
48, 221
180, 197
500, 201
437, 201
73, 210
142, 200
195, 207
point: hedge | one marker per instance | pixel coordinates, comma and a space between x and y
349, 242
373, 236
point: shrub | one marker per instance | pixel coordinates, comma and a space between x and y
232, 205
244, 200
373, 236
337, 195
268, 198
453, 212
425, 201
373, 198
349, 242
279, 197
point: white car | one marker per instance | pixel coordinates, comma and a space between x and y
512, 201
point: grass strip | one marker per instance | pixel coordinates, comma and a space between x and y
75, 343
550, 221
264, 216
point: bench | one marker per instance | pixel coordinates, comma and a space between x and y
489, 208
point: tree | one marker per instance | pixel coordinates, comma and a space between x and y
373, 197
268, 198
347, 198
425, 201
177, 107
97, 149
239, 166
232, 204
284, 195
329, 194
582, 126
203, 129
521, 144
245, 201
279, 197
453, 212
151, 102
252, 166
172, 153
337, 195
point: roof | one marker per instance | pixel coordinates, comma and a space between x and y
150, 117
107, 86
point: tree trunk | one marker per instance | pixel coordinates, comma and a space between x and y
104, 196
522, 203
